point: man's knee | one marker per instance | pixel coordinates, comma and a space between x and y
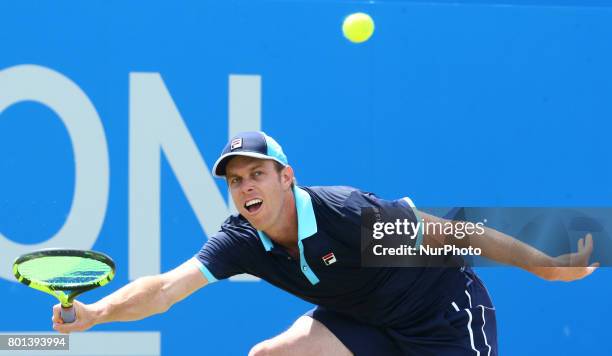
305, 337
274, 347
261, 349
282, 344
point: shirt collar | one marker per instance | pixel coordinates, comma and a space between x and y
307, 223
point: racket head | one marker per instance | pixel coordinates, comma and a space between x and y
64, 273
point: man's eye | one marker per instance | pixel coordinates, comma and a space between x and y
234, 180
257, 173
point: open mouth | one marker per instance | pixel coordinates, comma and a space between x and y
253, 205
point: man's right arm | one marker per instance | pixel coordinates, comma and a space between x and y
143, 297
509, 250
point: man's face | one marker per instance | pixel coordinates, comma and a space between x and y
258, 190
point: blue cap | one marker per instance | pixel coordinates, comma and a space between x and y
251, 144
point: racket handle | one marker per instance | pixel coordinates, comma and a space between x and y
68, 314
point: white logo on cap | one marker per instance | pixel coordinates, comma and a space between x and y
236, 143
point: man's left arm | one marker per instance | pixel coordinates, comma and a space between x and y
506, 249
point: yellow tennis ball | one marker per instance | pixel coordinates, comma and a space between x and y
358, 27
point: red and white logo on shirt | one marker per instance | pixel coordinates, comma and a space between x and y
329, 259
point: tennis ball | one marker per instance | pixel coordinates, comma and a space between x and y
358, 27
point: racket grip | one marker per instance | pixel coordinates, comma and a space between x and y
68, 314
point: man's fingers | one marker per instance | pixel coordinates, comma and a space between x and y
56, 318
82, 322
581, 245
63, 328
591, 269
66, 328
589, 243
585, 248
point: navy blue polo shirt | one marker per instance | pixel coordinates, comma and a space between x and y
329, 272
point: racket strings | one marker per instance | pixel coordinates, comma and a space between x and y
64, 271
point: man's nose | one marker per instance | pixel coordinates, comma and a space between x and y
247, 186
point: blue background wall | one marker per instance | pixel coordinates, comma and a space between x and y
470, 103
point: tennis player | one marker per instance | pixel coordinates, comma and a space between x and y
306, 240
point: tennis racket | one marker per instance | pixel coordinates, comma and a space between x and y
64, 274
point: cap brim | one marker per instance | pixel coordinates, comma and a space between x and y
219, 167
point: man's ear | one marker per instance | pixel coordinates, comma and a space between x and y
287, 176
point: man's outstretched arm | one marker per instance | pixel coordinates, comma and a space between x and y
508, 250
137, 300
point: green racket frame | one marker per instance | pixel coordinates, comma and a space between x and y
65, 299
